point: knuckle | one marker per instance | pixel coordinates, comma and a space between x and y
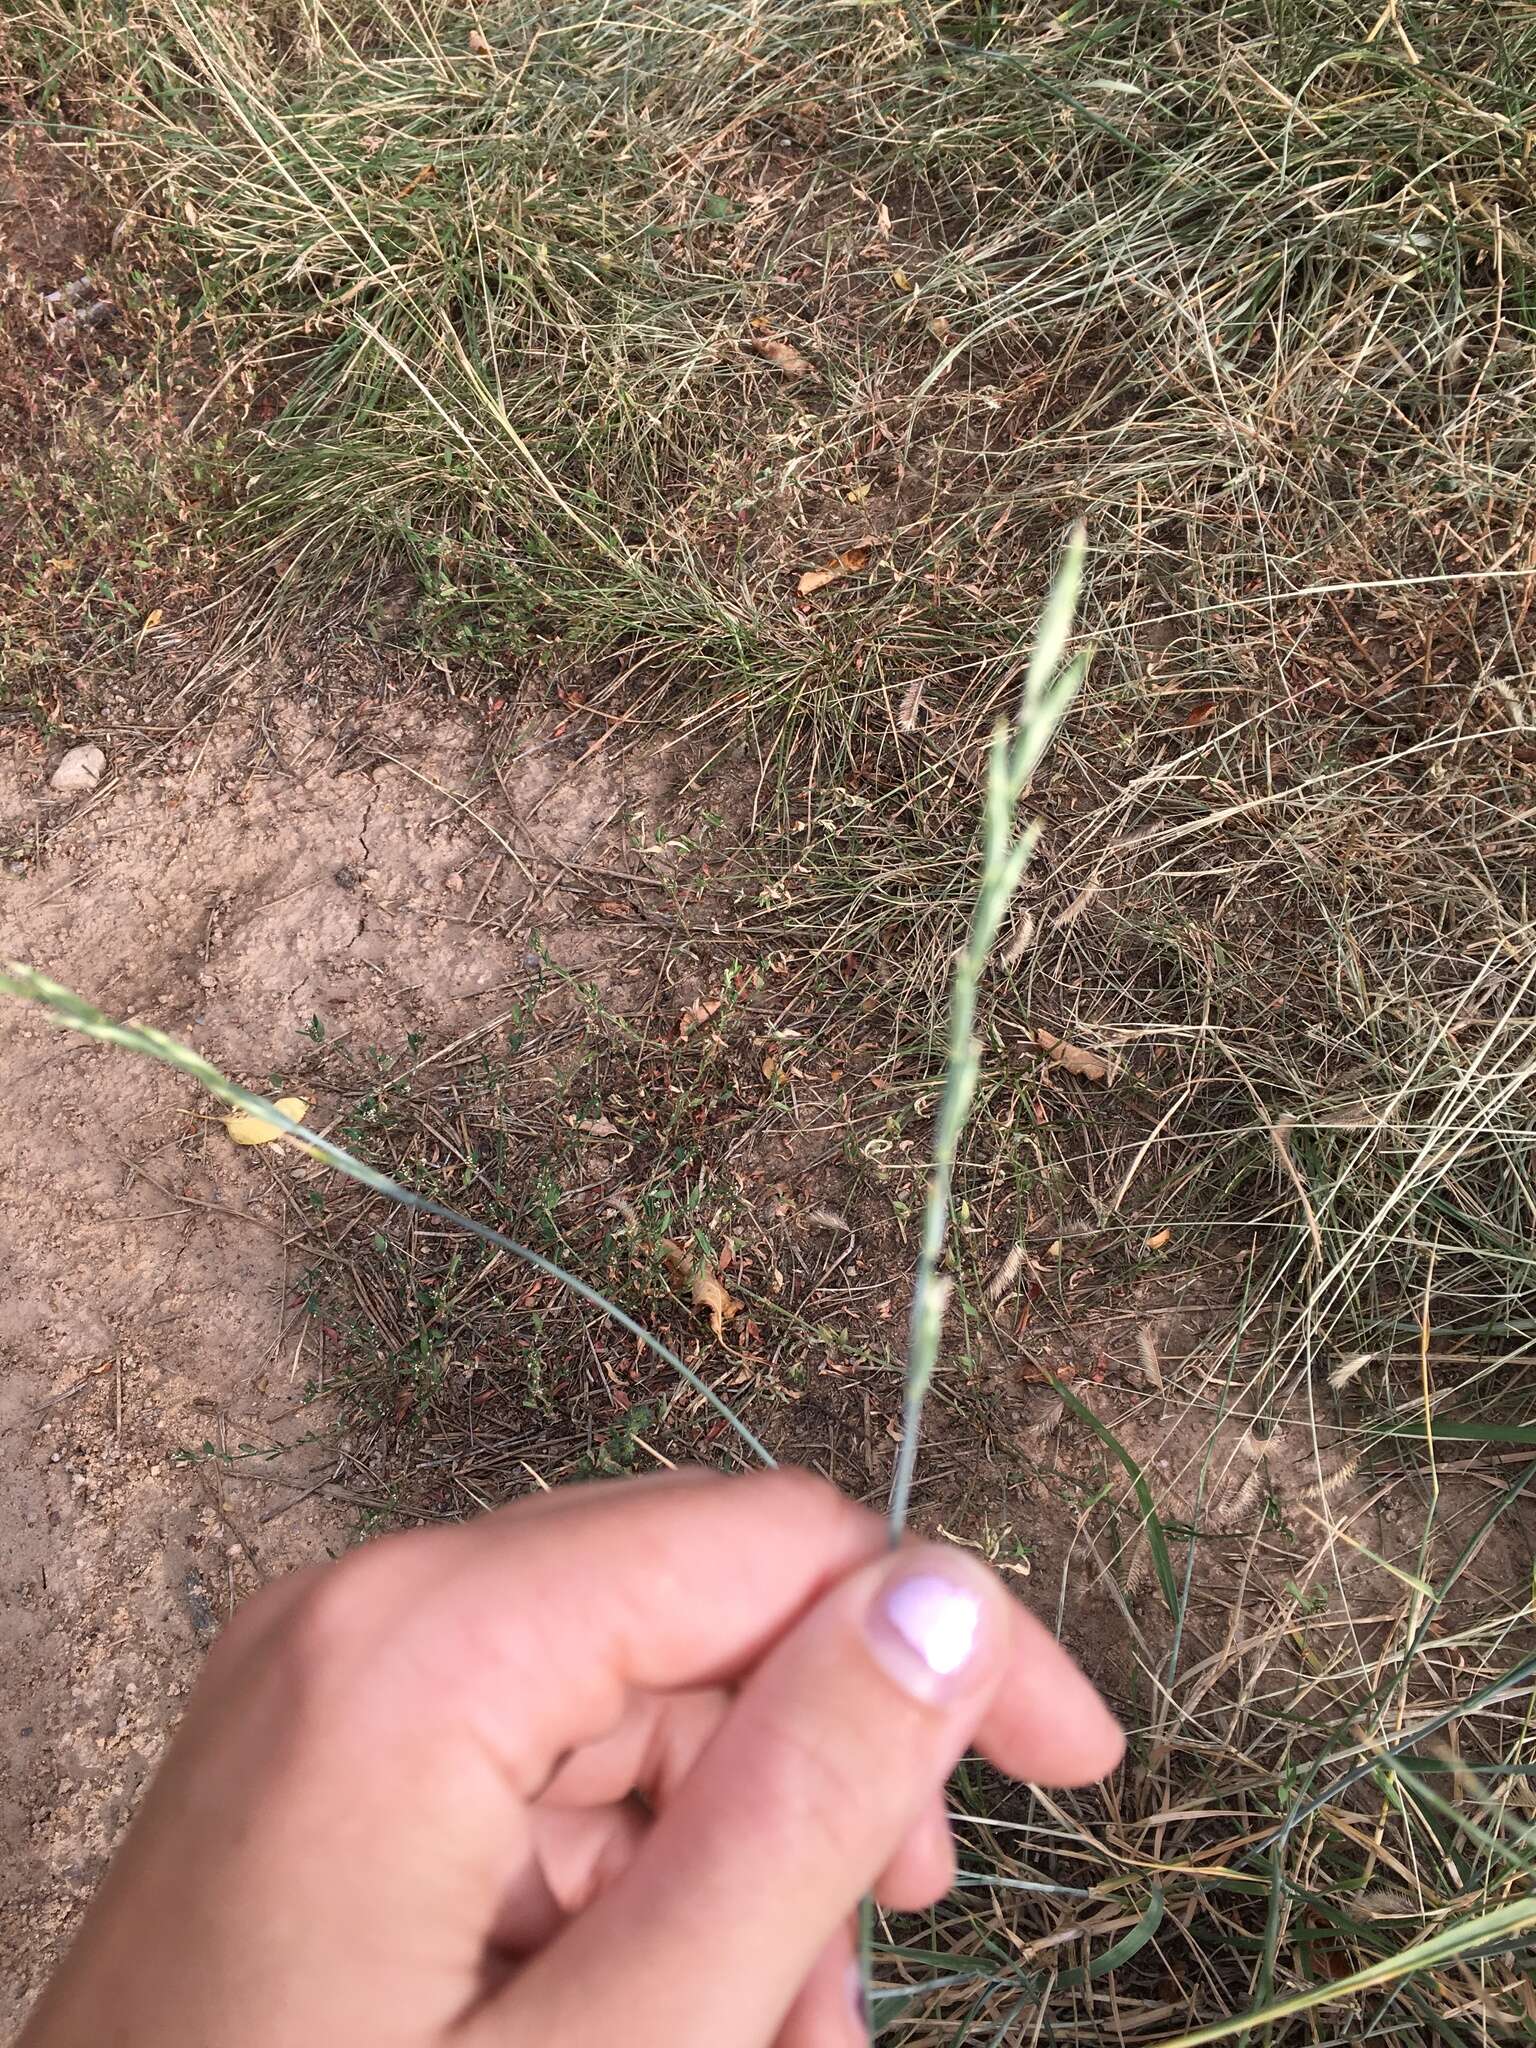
336, 1617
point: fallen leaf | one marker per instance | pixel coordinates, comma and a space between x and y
1038, 1373
478, 46
248, 1127
859, 493
902, 282
1199, 715
704, 1290
848, 563
597, 1127
613, 906
696, 1014
772, 1064
1158, 1239
938, 327
784, 356
1076, 1059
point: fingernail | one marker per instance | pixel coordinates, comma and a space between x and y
924, 1628
858, 1997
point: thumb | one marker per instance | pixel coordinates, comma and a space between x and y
834, 1746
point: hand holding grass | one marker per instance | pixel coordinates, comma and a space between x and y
615, 1765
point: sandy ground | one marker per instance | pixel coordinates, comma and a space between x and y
240, 884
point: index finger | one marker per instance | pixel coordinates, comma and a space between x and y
533, 1626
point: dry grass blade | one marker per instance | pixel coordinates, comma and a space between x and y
27, 985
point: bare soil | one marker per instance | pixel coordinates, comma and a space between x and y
246, 880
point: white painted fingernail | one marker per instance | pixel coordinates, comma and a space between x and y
924, 1627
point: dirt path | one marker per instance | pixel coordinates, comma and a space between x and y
244, 884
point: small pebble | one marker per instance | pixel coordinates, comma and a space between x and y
79, 771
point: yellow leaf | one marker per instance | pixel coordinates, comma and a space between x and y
902, 282
248, 1127
859, 493
1158, 1239
1076, 1059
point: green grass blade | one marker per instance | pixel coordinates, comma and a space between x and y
1157, 1542
1467, 1937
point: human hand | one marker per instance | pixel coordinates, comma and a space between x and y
610, 1767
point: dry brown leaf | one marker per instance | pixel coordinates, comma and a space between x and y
1037, 1373
902, 282
478, 46
597, 1127
858, 493
696, 1014
1158, 1239
1075, 1059
773, 1065
704, 1289
784, 357
848, 563
938, 327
